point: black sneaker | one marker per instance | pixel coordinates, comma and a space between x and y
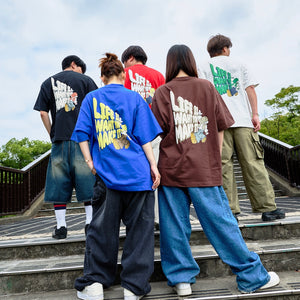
60, 233
273, 215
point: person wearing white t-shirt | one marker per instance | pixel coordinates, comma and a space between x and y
237, 88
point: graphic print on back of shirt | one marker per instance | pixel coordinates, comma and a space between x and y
141, 85
109, 127
224, 82
64, 96
189, 122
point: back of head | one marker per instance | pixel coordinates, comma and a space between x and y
73, 58
110, 66
137, 52
216, 44
180, 57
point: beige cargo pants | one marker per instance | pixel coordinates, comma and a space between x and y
245, 142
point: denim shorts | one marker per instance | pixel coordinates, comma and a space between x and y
67, 170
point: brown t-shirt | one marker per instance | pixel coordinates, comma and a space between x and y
190, 112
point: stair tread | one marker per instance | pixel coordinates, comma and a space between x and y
200, 252
203, 289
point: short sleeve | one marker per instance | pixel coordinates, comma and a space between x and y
83, 130
146, 127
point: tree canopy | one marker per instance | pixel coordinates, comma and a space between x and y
284, 124
19, 153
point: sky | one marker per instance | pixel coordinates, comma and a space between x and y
36, 35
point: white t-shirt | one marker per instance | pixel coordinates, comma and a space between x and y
231, 78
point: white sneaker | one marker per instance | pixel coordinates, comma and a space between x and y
91, 292
183, 289
128, 295
274, 280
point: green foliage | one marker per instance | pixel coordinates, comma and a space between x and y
19, 153
286, 102
284, 124
283, 128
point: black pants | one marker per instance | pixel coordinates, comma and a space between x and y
136, 210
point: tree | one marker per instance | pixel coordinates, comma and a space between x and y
286, 101
19, 153
284, 123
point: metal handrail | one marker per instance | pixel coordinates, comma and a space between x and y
20, 188
282, 158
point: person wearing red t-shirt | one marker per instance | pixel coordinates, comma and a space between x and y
145, 81
139, 77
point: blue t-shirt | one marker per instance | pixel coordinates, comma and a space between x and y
117, 122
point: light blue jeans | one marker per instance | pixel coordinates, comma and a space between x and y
220, 227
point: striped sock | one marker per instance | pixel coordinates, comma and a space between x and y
60, 214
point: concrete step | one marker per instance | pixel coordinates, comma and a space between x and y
74, 244
220, 288
59, 273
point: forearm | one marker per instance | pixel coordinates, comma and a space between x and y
153, 167
85, 149
221, 137
149, 153
46, 120
250, 90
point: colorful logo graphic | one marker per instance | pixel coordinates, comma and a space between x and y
64, 96
224, 82
109, 127
189, 121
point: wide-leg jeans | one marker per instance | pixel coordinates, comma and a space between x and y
220, 227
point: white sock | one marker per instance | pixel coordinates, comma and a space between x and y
88, 213
60, 215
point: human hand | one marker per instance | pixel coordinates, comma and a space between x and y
256, 122
155, 177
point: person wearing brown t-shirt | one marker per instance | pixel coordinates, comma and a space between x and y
193, 117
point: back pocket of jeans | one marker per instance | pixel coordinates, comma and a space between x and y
258, 148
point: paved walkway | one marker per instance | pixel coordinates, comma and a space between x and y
41, 227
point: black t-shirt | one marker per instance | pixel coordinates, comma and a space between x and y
62, 95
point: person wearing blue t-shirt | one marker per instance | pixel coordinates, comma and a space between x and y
114, 129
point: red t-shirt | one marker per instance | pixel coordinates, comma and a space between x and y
143, 80
190, 112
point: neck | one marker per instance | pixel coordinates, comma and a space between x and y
115, 80
182, 74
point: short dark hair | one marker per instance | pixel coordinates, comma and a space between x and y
180, 57
137, 52
216, 44
73, 58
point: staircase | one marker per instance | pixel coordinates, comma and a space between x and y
39, 267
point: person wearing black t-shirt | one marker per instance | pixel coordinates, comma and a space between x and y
61, 95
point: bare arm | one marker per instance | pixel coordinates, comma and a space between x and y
250, 90
46, 120
221, 137
85, 149
154, 171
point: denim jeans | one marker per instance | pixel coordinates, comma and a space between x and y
67, 170
136, 210
219, 226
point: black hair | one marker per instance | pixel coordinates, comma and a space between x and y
180, 57
73, 58
137, 52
